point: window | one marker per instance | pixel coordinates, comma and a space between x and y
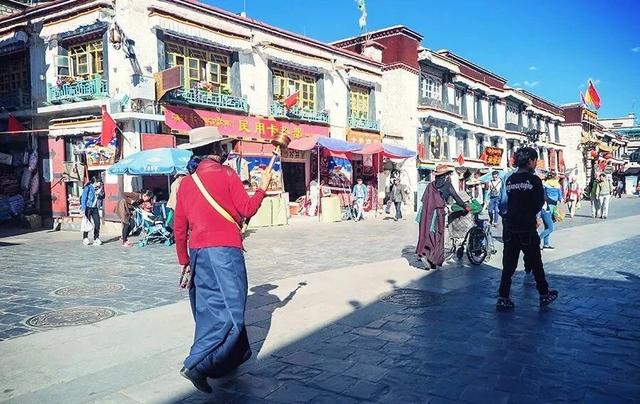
13, 75
431, 88
82, 61
201, 68
493, 112
479, 145
495, 141
459, 94
359, 102
556, 131
438, 143
512, 114
462, 145
477, 109
286, 83
435, 144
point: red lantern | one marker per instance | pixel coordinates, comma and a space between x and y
608, 156
594, 154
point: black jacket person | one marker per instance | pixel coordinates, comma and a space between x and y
525, 197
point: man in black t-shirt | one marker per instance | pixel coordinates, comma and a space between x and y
525, 197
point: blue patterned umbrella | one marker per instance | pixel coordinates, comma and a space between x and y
163, 161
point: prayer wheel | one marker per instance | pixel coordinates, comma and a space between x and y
279, 141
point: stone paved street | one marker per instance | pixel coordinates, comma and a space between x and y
330, 321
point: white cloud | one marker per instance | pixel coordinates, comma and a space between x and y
636, 49
533, 68
531, 84
515, 85
596, 81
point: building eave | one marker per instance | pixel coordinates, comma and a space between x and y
251, 23
459, 59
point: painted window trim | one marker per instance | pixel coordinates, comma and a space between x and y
218, 63
305, 84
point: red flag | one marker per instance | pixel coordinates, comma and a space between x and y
14, 125
291, 100
592, 95
460, 159
483, 157
602, 165
109, 127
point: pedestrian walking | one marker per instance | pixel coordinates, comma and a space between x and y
433, 216
397, 197
211, 204
620, 188
549, 212
360, 194
573, 196
524, 199
604, 194
594, 191
495, 186
90, 204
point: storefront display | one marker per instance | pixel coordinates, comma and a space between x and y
257, 165
19, 177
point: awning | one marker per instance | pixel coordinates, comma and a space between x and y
632, 171
387, 150
605, 147
13, 44
332, 144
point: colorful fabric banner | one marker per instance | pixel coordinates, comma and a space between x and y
591, 96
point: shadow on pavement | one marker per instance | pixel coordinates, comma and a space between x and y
454, 347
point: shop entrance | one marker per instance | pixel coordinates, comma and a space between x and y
293, 175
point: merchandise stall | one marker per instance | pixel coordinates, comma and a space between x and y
333, 172
389, 159
19, 176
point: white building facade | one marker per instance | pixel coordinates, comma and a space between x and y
78, 57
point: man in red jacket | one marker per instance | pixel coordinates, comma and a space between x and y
212, 202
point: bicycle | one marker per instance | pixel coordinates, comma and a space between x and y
477, 240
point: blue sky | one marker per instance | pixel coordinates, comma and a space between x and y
548, 47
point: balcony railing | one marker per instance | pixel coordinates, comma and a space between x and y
514, 127
20, 99
81, 90
208, 99
279, 111
366, 124
437, 104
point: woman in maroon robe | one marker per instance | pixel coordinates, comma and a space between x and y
432, 222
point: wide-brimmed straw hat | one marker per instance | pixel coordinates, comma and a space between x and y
204, 136
443, 169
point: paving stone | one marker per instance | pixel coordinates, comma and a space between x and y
294, 392
480, 395
364, 390
371, 373
336, 383
253, 386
